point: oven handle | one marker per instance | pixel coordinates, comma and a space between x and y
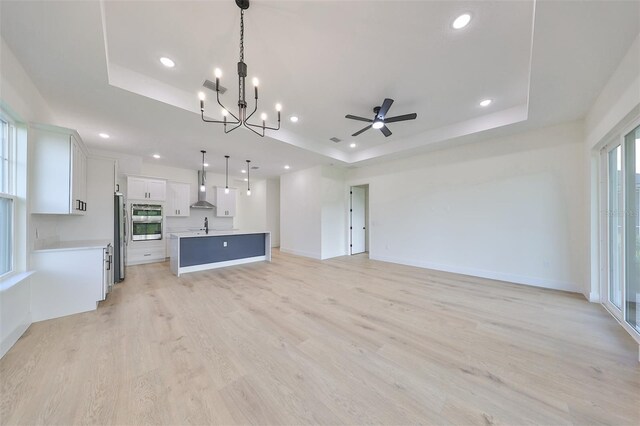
147, 219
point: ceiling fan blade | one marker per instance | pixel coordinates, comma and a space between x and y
361, 131
411, 116
353, 117
385, 130
385, 108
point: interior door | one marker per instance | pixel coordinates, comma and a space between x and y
357, 227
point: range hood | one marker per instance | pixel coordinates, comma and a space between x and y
202, 202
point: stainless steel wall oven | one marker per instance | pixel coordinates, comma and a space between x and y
146, 222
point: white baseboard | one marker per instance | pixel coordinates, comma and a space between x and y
300, 253
216, 265
331, 256
493, 275
13, 337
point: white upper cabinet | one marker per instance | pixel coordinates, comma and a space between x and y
178, 200
225, 203
139, 188
58, 171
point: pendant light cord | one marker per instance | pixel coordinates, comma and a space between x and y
227, 172
242, 35
202, 176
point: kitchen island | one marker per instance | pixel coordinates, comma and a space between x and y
199, 251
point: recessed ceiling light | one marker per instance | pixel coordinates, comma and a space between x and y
206, 164
461, 21
294, 118
243, 171
103, 135
352, 145
246, 180
287, 167
167, 62
156, 156
485, 102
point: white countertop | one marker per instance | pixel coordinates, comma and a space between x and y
73, 245
213, 233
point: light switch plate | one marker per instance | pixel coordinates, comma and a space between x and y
224, 244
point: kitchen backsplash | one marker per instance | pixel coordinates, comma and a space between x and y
196, 221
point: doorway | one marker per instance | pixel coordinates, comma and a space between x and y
359, 219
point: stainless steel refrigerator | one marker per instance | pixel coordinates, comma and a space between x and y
119, 238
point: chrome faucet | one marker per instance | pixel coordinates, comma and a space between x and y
206, 225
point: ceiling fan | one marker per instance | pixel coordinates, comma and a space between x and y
380, 119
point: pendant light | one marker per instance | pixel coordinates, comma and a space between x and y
202, 182
248, 178
226, 175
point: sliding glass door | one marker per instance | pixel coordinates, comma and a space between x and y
632, 232
621, 162
615, 217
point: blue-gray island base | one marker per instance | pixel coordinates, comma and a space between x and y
197, 251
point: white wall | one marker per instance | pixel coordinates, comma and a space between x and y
273, 210
21, 100
314, 207
334, 218
261, 210
508, 209
252, 209
615, 108
619, 97
15, 312
96, 223
18, 92
300, 212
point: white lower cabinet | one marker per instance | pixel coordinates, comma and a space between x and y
139, 252
67, 281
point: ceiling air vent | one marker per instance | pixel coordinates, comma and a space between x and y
254, 167
212, 86
336, 140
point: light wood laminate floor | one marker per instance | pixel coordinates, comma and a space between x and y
343, 341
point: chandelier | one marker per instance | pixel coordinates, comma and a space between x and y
242, 119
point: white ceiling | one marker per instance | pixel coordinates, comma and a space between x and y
97, 65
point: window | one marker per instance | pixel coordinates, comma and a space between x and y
7, 196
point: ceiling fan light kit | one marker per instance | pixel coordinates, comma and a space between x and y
380, 118
242, 119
